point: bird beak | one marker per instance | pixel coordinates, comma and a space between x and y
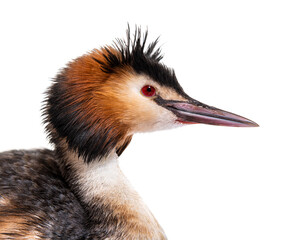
195, 112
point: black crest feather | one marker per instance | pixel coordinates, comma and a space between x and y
142, 57
130, 50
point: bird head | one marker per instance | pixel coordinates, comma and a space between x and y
102, 98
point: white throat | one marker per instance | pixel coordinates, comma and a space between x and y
102, 182
101, 178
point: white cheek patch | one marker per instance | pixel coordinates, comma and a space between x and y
164, 120
149, 116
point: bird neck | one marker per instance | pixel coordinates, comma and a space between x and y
108, 197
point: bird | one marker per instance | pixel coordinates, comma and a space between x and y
91, 111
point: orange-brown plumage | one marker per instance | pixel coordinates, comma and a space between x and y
97, 92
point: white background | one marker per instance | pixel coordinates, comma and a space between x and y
201, 182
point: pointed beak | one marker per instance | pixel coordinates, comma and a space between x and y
196, 112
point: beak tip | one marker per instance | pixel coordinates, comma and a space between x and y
254, 124
250, 123
246, 123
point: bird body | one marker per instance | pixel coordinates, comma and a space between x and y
36, 202
53, 210
93, 108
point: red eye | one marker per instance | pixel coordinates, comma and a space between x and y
148, 91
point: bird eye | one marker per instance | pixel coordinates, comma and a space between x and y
148, 91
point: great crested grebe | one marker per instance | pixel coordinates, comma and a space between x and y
92, 110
